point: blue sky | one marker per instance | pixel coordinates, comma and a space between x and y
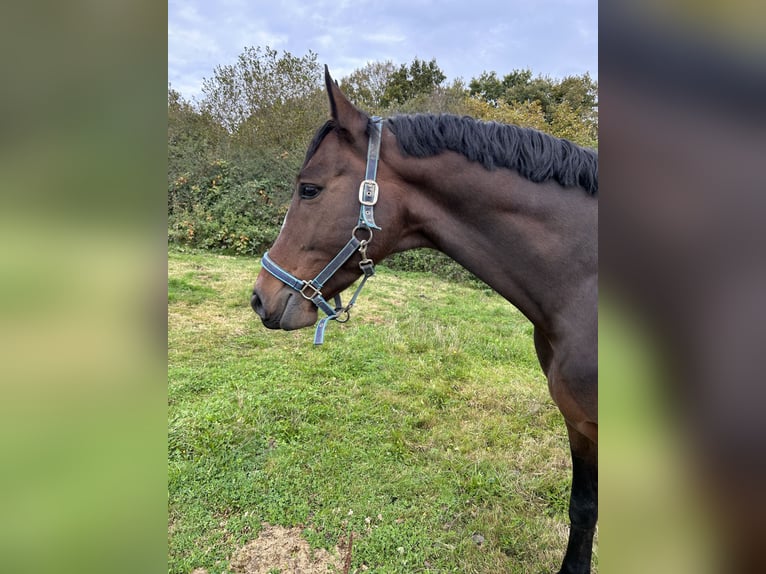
550, 37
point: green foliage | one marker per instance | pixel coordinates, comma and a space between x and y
366, 86
580, 92
194, 137
569, 106
568, 122
384, 90
261, 88
449, 99
431, 261
525, 114
233, 157
225, 211
407, 82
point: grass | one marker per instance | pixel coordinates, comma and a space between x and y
423, 421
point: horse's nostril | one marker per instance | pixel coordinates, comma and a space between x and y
257, 305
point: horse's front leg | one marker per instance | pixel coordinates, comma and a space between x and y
583, 504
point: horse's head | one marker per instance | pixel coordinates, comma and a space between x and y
323, 216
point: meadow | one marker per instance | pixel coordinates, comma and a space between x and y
423, 426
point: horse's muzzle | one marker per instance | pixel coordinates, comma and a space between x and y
285, 309
257, 304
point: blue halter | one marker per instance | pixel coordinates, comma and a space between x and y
312, 290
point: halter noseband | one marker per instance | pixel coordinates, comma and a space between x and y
312, 290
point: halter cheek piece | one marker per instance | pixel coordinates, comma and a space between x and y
312, 290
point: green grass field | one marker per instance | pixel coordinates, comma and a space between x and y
423, 422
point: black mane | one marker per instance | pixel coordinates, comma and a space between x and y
535, 155
322, 132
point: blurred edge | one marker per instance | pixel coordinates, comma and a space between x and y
682, 321
82, 308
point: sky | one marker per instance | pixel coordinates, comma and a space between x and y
553, 38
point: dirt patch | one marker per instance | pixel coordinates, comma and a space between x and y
283, 550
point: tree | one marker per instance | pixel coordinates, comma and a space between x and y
492, 89
526, 114
569, 106
366, 86
194, 137
266, 99
409, 81
449, 99
580, 92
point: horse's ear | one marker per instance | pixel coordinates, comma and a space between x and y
346, 115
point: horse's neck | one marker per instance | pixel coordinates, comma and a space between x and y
515, 235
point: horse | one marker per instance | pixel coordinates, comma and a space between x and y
516, 207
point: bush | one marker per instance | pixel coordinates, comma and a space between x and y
214, 209
224, 208
431, 261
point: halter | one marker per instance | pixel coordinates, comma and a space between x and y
312, 290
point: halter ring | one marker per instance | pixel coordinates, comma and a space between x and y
362, 228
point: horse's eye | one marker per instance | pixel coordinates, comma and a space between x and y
309, 190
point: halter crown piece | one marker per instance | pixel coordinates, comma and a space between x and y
312, 289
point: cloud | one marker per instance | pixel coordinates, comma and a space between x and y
553, 37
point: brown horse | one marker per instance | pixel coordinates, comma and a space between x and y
516, 207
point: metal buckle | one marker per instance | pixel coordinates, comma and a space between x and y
368, 189
310, 286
